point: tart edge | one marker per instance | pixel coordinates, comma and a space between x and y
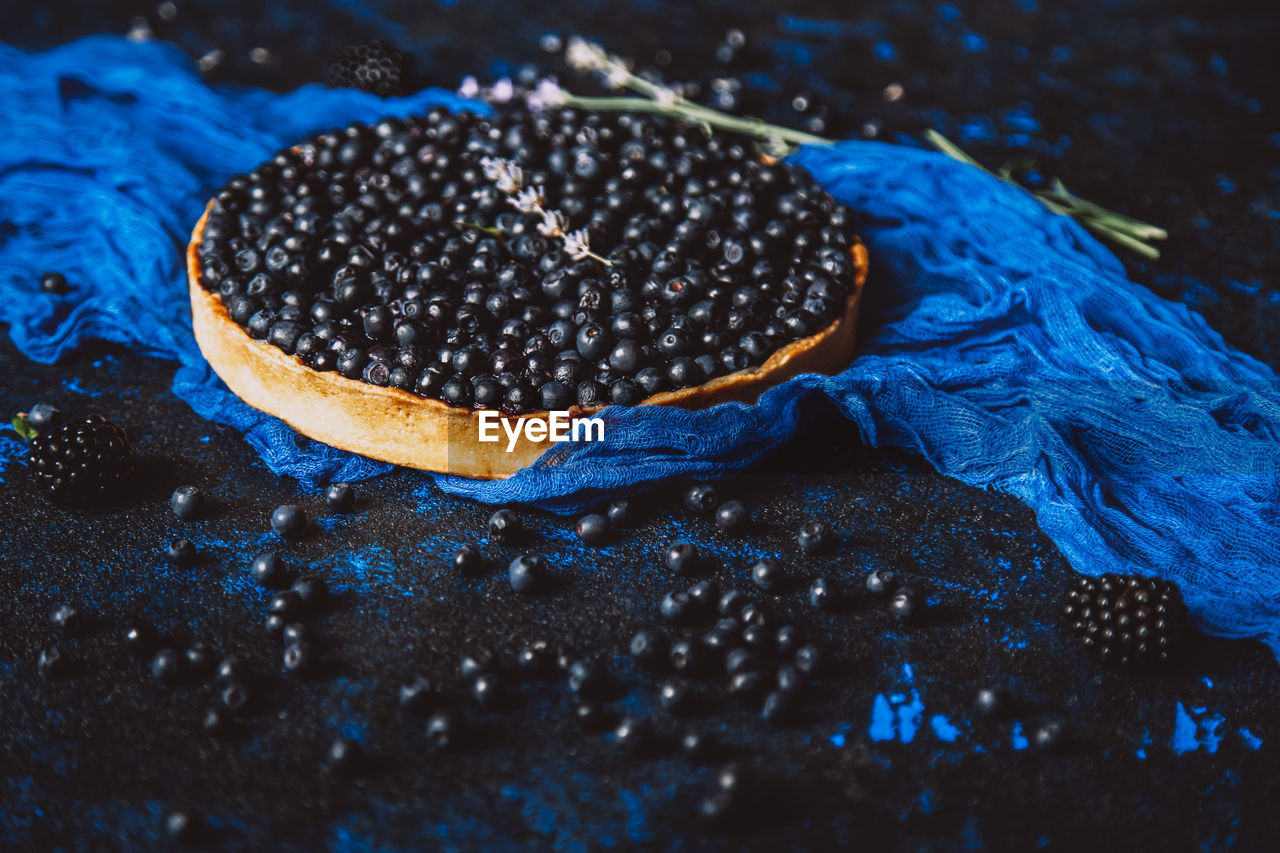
429, 434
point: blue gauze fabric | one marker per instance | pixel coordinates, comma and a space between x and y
1008, 347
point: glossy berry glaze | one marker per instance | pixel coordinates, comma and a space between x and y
392, 254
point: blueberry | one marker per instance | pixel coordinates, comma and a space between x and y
649, 647
166, 667
289, 520
787, 639
881, 582
682, 558
526, 572
740, 660
140, 639
300, 659
754, 613
232, 669
312, 591
756, 636
476, 662
418, 696
187, 502
340, 497
905, 604
821, 594
698, 746
586, 677
70, 620
732, 602
633, 735
288, 605
675, 697
814, 537
467, 559
767, 574
181, 552
703, 596
747, 684
54, 283
718, 807
701, 498
677, 607
535, 658
1051, 736
591, 715
200, 660
269, 571
504, 526
218, 722
186, 828
991, 702
808, 659
687, 657
43, 416
54, 663
593, 530
294, 633
619, 512
733, 517
236, 696
444, 729
343, 756
778, 706
789, 678
488, 689
274, 625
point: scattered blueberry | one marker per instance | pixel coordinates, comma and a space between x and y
236, 696
586, 677
821, 594
814, 537
299, 659
467, 559
70, 620
787, 639
287, 605
181, 552
200, 660
294, 633
675, 697
140, 639
269, 571
218, 722
343, 756
732, 602
476, 662
701, 498
733, 517
881, 582
418, 696
54, 663
187, 502
698, 746
185, 827
232, 669
526, 572
591, 715
632, 735
1050, 736
340, 497
754, 613
681, 558
619, 513
312, 591
54, 283
444, 729
43, 416
488, 689
649, 647
676, 607
778, 706
166, 667
289, 520
808, 659
991, 702
593, 530
767, 574
905, 603
789, 678
535, 658
686, 657
748, 684
505, 527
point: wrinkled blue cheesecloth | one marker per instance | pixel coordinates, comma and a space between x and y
1010, 350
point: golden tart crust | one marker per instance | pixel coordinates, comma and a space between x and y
405, 429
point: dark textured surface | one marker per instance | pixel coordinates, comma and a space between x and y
1158, 109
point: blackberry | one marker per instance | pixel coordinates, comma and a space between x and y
369, 66
81, 461
1127, 620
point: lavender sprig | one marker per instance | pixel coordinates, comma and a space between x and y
508, 178
589, 57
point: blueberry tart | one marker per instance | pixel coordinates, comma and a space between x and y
388, 288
